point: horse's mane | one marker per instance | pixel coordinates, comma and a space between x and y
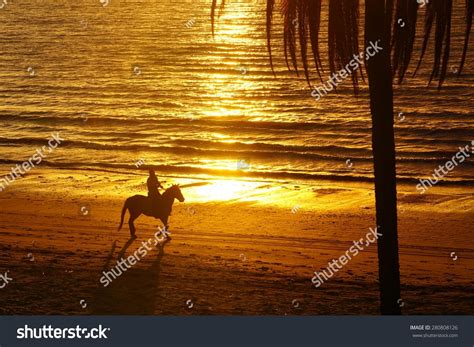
171, 189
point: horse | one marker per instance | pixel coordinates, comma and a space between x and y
140, 204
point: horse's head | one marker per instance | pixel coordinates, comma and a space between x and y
175, 192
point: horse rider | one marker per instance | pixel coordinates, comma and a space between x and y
153, 184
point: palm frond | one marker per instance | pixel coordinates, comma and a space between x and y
469, 13
270, 7
343, 35
438, 12
314, 24
302, 26
403, 37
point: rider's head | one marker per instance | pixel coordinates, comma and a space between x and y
152, 172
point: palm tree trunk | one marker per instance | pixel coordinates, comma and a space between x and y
377, 27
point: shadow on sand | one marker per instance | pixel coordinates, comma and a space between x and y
135, 292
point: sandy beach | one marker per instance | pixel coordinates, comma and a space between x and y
250, 252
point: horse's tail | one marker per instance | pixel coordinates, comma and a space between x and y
124, 209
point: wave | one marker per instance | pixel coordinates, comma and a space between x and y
244, 124
263, 151
198, 172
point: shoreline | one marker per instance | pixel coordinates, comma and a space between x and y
189, 172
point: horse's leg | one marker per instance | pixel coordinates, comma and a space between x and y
164, 220
133, 216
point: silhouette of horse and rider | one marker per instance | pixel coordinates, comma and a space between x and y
155, 205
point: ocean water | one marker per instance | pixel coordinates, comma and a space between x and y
144, 81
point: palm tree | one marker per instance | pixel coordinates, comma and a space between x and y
382, 23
